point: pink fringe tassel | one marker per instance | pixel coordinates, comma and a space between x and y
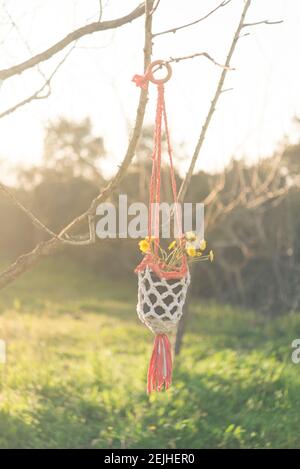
160, 367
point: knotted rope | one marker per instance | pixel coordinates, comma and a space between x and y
161, 292
155, 182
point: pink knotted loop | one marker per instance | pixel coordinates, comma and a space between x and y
141, 81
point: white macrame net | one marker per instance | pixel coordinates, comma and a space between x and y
160, 300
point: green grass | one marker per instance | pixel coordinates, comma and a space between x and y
76, 371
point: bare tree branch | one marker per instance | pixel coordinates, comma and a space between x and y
71, 37
16, 27
246, 25
177, 28
187, 180
100, 11
26, 261
37, 94
155, 6
249, 194
212, 108
198, 54
41, 225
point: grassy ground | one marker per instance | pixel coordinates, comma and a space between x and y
76, 370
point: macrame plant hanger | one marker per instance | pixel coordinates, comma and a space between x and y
161, 291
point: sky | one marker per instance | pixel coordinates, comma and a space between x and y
95, 81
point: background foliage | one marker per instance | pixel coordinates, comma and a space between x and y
257, 249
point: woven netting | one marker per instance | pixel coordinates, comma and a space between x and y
160, 300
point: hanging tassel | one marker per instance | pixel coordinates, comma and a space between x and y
160, 367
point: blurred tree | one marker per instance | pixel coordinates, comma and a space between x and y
72, 149
257, 241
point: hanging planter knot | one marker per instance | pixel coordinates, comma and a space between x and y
162, 287
142, 80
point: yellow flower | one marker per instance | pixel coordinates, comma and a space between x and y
199, 254
191, 251
152, 428
172, 245
203, 245
211, 256
190, 236
144, 245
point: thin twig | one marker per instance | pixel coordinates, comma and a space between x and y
155, 8
246, 25
40, 224
37, 94
199, 54
177, 28
71, 37
100, 11
29, 99
16, 27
